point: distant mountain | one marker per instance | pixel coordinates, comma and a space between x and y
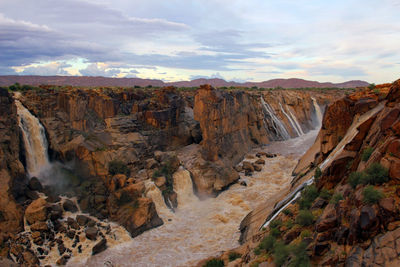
128, 82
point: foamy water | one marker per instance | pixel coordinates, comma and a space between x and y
200, 229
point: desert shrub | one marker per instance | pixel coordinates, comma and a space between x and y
371, 86
257, 251
281, 253
214, 263
275, 232
317, 173
377, 174
325, 194
371, 196
356, 178
366, 153
309, 194
118, 167
267, 243
305, 218
275, 223
234, 255
336, 198
300, 257
305, 233
287, 212
289, 224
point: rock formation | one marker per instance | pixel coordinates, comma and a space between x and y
350, 215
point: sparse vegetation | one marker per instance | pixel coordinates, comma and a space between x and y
287, 212
281, 253
300, 257
309, 194
317, 173
371, 196
305, 233
374, 174
267, 243
214, 263
371, 86
305, 218
336, 198
325, 194
234, 255
366, 154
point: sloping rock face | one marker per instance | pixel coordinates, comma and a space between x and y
12, 172
358, 225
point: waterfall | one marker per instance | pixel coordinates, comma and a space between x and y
293, 121
350, 134
35, 141
317, 110
155, 194
183, 186
280, 131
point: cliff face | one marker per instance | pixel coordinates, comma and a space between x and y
11, 170
350, 216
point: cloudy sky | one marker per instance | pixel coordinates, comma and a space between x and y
252, 40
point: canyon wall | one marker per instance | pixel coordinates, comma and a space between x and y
352, 208
12, 172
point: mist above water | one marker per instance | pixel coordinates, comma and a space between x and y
200, 229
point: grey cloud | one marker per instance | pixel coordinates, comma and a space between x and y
49, 69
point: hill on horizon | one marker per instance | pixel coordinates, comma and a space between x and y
128, 82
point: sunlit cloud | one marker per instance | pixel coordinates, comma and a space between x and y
179, 40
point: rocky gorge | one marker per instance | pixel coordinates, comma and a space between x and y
342, 208
124, 161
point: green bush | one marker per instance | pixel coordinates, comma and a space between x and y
366, 153
214, 263
267, 243
281, 253
275, 224
356, 178
336, 198
275, 232
289, 224
317, 173
287, 212
309, 194
377, 174
374, 174
305, 218
118, 167
300, 257
234, 255
305, 233
257, 251
325, 194
371, 196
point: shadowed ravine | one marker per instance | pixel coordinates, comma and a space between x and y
199, 229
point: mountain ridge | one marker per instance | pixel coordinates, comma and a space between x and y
7, 80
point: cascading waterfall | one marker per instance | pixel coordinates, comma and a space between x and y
293, 122
280, 130
35, 141
318, 111
351, 133
183, 186
296, 121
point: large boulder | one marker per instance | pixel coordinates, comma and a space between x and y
36, 211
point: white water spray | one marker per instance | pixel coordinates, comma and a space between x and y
279, 127
318, 111
293, 121
35, 141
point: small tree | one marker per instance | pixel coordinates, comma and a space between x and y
305, 218
371, 196
366, 154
